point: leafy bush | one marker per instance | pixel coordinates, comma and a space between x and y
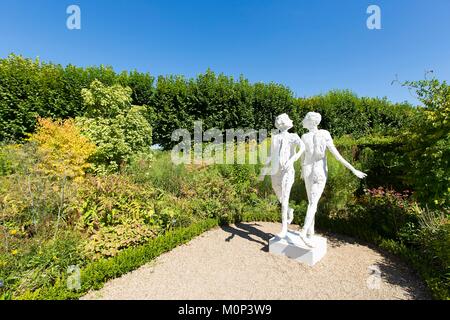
118, 129
341, 187
105, 101
427, 143
112, 200
62, 150
107, 241
32, 200
344, 113
117, 139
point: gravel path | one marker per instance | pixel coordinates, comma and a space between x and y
233, 262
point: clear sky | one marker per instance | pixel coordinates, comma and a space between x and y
310, 46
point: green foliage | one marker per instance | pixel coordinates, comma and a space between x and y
219, 101
10, 157
39, 263
108, 240
425, 247
112, 200
428, 143
118, 129
106, 101
29, 88
341, 187
139, 166
117, 139
381, 157
33, 201
159, 172
271, 100
344, 113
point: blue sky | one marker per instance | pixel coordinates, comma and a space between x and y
310, 46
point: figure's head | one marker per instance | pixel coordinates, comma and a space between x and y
283, 122
312, 120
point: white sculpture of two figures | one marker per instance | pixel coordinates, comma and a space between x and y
286, 148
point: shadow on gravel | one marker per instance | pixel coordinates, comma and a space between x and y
337, 240
396, 273
390, 270
249, 232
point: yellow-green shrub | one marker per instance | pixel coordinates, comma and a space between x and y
62, 150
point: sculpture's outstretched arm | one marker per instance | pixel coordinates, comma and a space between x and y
341, 159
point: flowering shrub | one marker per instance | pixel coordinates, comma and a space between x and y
388, 211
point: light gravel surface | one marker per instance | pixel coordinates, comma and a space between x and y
233, 262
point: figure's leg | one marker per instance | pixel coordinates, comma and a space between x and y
310, 231
308, 185
290, 215
276, 186
286, 186
316, 190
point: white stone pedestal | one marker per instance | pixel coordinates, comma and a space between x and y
294, 247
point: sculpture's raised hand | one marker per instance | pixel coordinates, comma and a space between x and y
359, 174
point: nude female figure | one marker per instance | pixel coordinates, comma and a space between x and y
282, 157
314, 168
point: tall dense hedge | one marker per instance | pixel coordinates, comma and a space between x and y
30, 88
344, 113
